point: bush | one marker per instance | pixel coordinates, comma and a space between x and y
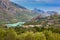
10, 35
40, 36
28, 34
52, 36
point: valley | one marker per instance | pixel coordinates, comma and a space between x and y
29, 20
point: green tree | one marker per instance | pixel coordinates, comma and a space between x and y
11, 34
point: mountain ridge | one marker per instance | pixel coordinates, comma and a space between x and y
11, 12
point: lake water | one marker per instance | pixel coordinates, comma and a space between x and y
15, 24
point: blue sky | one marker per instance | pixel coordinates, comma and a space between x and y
46, 5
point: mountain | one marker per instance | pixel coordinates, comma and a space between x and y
18, 6
49, 21
41, 12
38, 10
51, 12
11, 12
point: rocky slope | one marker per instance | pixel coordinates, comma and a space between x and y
11, 12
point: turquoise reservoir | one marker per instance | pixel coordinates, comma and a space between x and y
15, 24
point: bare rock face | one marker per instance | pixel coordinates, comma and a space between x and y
4, 4
11, 12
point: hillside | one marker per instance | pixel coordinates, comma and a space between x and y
11, 12
49, 21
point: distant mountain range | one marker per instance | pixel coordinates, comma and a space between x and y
38, 10
43, 13
11, 12
51, 12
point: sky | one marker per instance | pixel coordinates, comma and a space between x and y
46, 5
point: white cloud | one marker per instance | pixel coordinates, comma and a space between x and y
44, 1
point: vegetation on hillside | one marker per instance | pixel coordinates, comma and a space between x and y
50, 21
35, 33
